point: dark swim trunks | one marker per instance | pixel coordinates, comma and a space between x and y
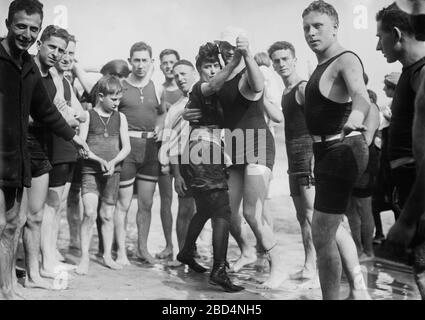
338, 167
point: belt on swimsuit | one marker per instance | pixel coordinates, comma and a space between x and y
142, 134
401, 161
317, 139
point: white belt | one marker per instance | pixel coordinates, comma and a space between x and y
142, 134
401, 161
334, 137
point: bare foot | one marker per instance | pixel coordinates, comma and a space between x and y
10, 295
147, 258
278, 275
310, 284
262, 264
54, 272
83, 267
123, 261
165, 254
304, 273
67, 267
49, 274
112, 264
243, 261
174, 264
37, 283
18, 289
359, 295
364, 257
274, 281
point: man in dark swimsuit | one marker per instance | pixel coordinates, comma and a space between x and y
51, 47
335, 113
169, 96
299, 148
141, 106
406, 134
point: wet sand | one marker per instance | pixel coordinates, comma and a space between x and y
385, 279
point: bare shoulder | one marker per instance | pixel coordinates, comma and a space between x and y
349, 61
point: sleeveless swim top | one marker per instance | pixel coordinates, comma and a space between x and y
324, 116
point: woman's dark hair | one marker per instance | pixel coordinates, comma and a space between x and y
209, 52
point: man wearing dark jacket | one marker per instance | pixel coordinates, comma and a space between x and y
22, 94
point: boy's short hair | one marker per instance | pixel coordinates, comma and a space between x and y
140, 46
209, 52
29, 6
183, 62
167, 52
117, 68
281, 45
392, 16
323, 8
109, 84
55, 31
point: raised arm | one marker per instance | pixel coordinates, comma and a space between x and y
216, 83
82, 76
255, 77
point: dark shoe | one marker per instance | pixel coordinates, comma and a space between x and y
219, 277
378, 239
20, 273
190, 261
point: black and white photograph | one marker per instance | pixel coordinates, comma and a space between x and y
232, 153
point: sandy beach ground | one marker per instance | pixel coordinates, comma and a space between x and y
386, 280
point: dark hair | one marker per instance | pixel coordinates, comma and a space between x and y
140, 46
109, 84
183, 62
72, 38
117, 68
29, 6
281, 45
209, 52
372, 96
55, 31
167, 52
323, 8
392, 16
